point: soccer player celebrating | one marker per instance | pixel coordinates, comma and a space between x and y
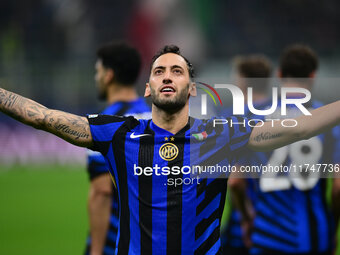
156, 215
254, 70
117, 69
292, 216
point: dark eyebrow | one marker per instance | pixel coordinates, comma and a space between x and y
159, 67
172, 67
176, 66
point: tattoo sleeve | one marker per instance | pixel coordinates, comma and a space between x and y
72, 128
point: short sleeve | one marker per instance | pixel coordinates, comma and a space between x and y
103, 128
96, 164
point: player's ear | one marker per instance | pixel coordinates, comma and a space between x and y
109, 75
279, 73
147, 92
312, 75
193, 90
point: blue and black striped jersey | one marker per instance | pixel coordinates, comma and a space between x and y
96, 166
163, 209
291, 211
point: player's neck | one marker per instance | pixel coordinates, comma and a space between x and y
120, 93
172, 122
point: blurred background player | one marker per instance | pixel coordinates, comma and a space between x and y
117, 69
291, 211
259, 68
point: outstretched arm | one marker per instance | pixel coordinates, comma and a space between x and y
72, 128
269, 136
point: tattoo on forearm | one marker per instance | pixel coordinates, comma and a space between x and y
266, 136
67, 130
31, 113
72, 128
49, 122
11, 100
7, 99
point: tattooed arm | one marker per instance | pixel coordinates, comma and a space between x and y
72, 128
271, 136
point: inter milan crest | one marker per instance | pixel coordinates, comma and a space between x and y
168, 151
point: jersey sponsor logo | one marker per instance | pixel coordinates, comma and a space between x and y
168, 151
133, 136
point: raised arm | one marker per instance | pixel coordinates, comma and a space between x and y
72, 128
267, 137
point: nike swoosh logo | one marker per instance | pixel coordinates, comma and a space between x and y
133, 136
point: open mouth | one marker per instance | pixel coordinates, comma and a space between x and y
168, 90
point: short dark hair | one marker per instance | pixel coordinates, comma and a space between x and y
123, 59
298, 60
173, 49
254, 66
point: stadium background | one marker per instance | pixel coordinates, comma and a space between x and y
47, 53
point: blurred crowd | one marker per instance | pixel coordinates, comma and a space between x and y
47, 46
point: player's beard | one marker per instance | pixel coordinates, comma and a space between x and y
170, 105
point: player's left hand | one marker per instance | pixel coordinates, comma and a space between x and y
247, 228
